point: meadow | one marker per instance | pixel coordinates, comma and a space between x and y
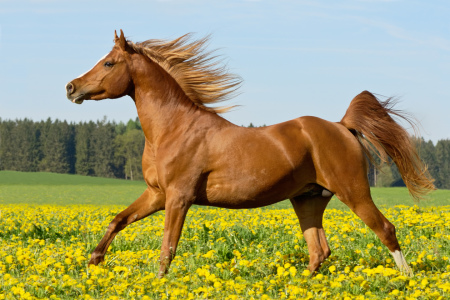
49, 224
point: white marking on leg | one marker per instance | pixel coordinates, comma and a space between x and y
94, 65
401, 262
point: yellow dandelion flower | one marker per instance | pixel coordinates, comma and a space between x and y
306, 273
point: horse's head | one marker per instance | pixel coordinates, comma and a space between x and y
109, 78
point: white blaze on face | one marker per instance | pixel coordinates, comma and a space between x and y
94, 65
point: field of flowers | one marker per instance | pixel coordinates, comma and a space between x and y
223, 254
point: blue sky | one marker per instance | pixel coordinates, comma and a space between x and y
295, 57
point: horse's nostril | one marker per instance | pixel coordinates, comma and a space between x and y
70, 88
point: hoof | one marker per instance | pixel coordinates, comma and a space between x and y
96, 258
313, 269
312, 273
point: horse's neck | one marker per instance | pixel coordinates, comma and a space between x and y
162, 105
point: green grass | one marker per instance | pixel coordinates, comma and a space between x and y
44, 178
63, 189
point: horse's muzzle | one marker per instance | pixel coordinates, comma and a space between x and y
70, 88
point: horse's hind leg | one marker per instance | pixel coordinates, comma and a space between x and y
361, 203
148, 203
310, 211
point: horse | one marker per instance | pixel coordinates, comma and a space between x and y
192, 155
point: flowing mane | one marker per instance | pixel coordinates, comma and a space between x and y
202, 77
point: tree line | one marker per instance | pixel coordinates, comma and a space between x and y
109, 149
436, 158
102, 148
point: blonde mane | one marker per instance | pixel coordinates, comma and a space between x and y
202, 77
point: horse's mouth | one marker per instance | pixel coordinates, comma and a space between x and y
79, 99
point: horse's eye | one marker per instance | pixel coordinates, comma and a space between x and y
108, 64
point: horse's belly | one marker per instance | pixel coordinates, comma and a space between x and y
237, 202
248, 193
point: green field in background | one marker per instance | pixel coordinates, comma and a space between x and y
63, 189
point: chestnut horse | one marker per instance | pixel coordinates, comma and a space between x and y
194, 156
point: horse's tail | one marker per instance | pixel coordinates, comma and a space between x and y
370, 121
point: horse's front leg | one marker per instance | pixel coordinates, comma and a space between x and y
148, 203
176, 209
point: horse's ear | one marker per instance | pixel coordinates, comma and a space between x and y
120, 41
